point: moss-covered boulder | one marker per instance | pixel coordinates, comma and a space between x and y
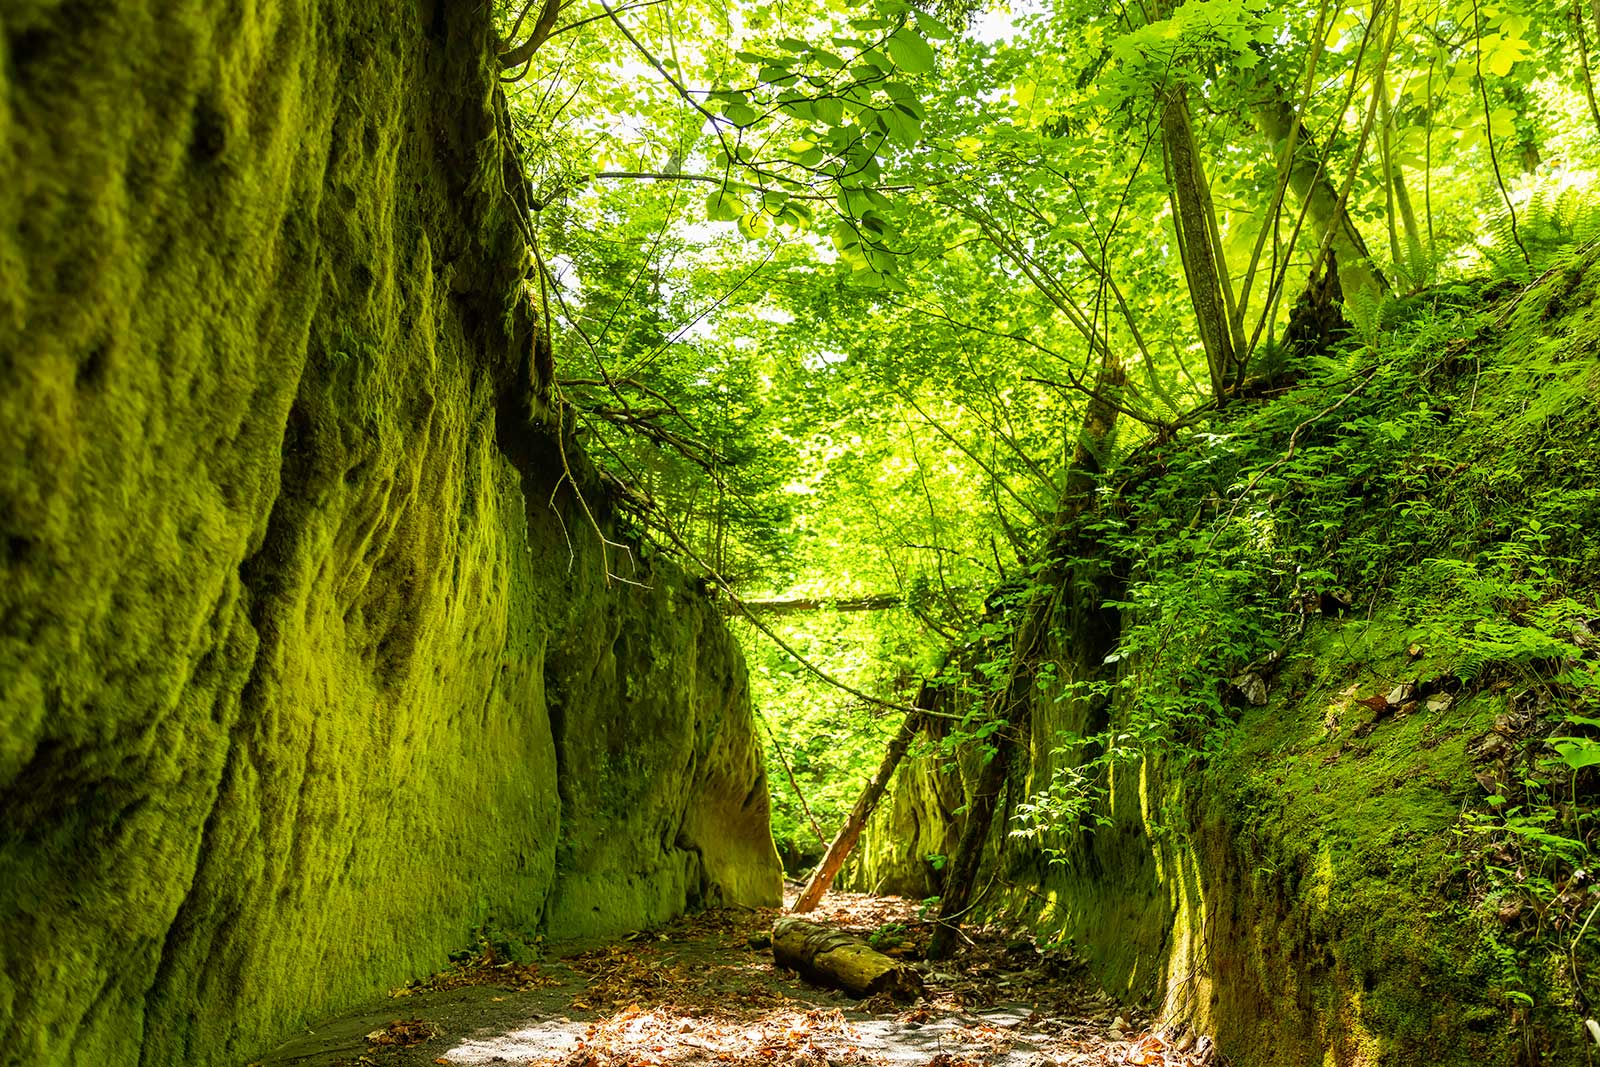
303, 677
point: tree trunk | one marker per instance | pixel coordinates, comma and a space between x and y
1203, 267
872, 602
961, 877
834, 958
1528, 155
1310, 182
1586, 76
848, 834
1410, 262
1093, 447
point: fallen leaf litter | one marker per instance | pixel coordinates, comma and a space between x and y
700, 992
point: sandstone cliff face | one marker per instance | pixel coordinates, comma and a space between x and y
302, 675
1296, 876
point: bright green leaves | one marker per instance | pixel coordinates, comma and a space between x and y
815, 125
909, 51
1187, 47
1500, 53
862, 234
1577, 752
723, 206
902, 119
741, 114
756, 211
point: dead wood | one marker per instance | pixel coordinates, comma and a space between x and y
845, 840
834, 958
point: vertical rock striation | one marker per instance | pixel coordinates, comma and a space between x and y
306, 670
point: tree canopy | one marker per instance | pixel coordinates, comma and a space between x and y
836, 290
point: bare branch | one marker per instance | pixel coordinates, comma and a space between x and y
515, 57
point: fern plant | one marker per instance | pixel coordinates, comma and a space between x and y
1559, 212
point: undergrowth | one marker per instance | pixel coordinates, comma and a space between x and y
1444, 474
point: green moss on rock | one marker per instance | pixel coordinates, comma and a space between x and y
1301, 882
295, 671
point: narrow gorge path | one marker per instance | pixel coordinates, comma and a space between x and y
704, 991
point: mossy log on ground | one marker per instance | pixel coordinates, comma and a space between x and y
835, 958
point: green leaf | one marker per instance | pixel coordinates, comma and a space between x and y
753, 224
932, 27
1577, 752
723, 206
903, 129
800, 108
909, 51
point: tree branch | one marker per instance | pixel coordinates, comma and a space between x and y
515, 57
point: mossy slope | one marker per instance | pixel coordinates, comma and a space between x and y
1301, 880
281, 624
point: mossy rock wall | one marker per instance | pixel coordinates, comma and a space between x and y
1303, 887
302, 678
1284, 896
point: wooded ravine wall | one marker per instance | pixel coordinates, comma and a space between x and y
1303, 887
307, 671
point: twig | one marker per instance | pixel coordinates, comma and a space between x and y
1572, 949
1488, 131
777, 748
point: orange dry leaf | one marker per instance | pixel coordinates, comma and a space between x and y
402, 1033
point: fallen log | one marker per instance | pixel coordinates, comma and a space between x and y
850, 832
834, 958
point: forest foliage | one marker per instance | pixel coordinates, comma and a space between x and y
835, 291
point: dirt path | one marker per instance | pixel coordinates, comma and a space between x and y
704, 991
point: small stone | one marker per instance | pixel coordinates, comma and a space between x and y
1115, 1034
1253, 688
1492, 747
1119, 1023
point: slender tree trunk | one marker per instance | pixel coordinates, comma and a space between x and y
1203, 267
1417, 262
850, 832
1089, 455
1587, 76
961, 875
1386, 162
1528, 155
1311, 183
1400, 209
871, 602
